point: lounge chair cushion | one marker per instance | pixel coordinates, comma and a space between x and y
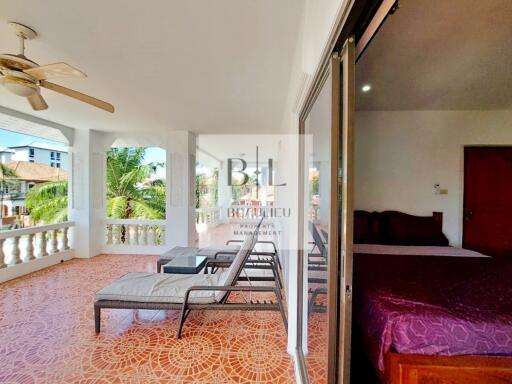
163, 288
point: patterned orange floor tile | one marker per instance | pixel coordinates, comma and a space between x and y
47, 334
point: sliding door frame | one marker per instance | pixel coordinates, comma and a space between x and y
359, 21
339, 267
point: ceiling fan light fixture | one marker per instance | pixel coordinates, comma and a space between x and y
19, 87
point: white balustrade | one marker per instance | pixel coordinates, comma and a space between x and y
135, 232
208, 216
14, 243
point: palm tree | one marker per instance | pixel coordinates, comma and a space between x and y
8, 181
48, 202
129, 193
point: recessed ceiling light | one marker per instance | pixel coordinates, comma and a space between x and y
366, 88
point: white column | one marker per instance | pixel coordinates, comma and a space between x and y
225, 193
87, 191
181, 157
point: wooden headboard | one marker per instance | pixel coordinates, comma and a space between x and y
438, 218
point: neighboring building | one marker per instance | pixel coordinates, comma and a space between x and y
29, 174
6, 155
37, 152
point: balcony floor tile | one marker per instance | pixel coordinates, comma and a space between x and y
47, 334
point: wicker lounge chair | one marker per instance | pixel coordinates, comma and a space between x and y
156, 291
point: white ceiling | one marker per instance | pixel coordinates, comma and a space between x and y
213, 149
219, 66
440, 55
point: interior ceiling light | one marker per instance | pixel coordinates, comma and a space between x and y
366, 88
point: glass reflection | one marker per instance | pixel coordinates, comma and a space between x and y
316, 228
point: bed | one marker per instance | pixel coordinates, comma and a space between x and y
427, 312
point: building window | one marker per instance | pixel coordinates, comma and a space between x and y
31, 160
58, 155
52, 164
30, 186
52, 155
57, 165
31, 152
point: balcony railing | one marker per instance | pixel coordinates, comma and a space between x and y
19, 246
208, 216
135, 232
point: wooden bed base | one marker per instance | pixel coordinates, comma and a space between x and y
423, 369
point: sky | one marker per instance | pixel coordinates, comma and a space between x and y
11, 139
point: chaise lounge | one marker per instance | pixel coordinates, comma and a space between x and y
142, 290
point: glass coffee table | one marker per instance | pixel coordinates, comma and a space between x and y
185, 264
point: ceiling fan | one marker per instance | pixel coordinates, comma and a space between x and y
25, 78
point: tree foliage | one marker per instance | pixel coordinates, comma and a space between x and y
131, 193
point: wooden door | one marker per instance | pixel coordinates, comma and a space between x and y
488, 200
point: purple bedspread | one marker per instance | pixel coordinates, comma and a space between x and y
433, 305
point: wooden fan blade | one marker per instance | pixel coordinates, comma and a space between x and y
37, 102
44, 72
79, 96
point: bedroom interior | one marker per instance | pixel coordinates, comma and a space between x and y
432, 206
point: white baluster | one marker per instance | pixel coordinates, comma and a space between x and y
151, 235
65, 238
136, 237
55, 242
16, 250
109, 234
127, 239
42, 245
119, 236
2, 255
145, 234
162, 238
30, 248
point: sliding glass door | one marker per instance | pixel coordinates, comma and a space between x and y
326, 223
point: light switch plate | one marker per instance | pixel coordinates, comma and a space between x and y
443, 191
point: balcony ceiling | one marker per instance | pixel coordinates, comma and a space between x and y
218, 66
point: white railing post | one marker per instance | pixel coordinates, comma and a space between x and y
65, 239
151, 234
30, 248
119, 236
42, 245
55, 242
136, 238
2, 255
16, 250
127, 239
145, 234
109, 234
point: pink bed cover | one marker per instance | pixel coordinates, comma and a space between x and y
433, 305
